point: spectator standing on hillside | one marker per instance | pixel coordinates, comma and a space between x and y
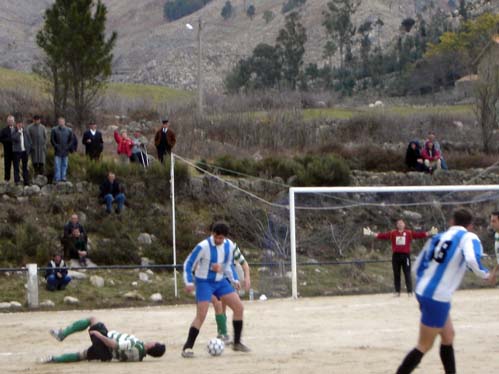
57, 273
413, 159
21, 147
62, 139
6, 140
125, 145
138, 151
432, 138
164, 140
92, 140
431, 157
401, 250
112, 191
38, 135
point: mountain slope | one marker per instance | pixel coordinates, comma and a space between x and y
151, 50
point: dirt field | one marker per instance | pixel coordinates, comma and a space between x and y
355, 334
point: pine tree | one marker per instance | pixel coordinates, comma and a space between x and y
291, 46
78, 57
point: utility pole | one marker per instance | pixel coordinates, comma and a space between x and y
200, 71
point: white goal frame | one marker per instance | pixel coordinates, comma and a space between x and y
304, 190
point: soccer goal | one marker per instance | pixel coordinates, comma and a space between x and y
348, 209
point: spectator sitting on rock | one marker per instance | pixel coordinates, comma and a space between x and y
112, 191
431, 157
57, 273
67, 238
125, 145
78, 248
432, 138
413, 159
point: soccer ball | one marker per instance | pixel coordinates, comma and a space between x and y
215, 347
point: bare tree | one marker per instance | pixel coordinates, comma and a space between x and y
487, 98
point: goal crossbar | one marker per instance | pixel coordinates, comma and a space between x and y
372, 189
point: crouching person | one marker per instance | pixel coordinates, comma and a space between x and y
57, 273
106, 345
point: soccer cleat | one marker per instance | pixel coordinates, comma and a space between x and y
226, 339
45, 360
240, 347
57, 334
188, 353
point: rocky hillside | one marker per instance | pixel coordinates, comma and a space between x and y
151, 50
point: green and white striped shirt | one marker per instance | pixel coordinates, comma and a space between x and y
129, 347
238, 256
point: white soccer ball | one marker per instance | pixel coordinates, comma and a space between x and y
215, 347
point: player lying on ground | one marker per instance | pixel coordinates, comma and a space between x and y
220, 308
106, 345
213, 260
440, 268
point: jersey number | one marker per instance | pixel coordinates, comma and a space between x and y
439, 256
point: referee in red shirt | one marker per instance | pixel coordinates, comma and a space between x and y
401, 247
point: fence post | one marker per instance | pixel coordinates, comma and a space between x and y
32, 286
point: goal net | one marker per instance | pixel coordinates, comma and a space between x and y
326, 228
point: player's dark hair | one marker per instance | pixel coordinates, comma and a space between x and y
462, 217
220, 228
157, 350
495, 213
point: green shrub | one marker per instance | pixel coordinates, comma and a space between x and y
280, 167
324, 171
228, 162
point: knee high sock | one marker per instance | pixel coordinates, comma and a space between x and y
447, 357
221, 324
67, 357
191, 338
238, 328
76, 326
410, 362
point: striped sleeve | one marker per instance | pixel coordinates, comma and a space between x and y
238, 256
190, 263
229, 268
473, 251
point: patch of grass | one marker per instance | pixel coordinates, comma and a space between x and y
157, 94
334, 113
437, 109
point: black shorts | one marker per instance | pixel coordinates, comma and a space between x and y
98, 350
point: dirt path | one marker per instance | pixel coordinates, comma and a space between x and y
355, 334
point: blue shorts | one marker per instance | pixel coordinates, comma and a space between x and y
206, 289
433, 313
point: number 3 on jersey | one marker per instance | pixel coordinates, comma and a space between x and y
439, 254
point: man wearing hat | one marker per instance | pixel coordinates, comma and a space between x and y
38, 135
164, 140
92, 140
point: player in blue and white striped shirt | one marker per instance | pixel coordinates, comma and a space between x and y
440, 268
212, 261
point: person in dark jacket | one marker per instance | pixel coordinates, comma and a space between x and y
413, 159
6, 140
111, 191
62, 139
38, 135
57, 273
92, 140
21, 148
164, 140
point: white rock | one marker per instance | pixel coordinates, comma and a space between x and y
76, 275
135, 284
71, 300
289, 275
149, 272
317, 270
133, 295
145, 238
144, 277
111, 282
156, 297
263, 297
4, 305
47, 304
15, 304
97, 281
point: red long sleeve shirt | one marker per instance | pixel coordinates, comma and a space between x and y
401, 240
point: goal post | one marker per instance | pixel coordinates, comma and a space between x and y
374, 189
